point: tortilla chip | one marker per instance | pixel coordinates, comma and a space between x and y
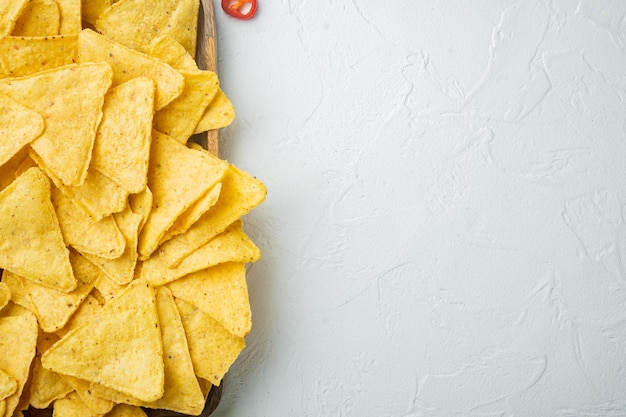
220, 113
232, 245
240, 193
71, 21
141, 204
67, 141
179, 118
18, 127
39, 18
182, 391
120, 349
220, 291
178, 177
92, 9
46, 386
8, 385
193, 213
102, 238
108, 289
73, 406
122, 269
25, 56
18, 341
213, 348
134, 23
122, 146
5, 294
128, 64
10, 11
170, 51
31, 243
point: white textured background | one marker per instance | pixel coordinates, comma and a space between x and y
444, 232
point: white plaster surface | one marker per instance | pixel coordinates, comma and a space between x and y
444, 233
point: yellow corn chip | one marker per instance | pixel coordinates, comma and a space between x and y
193, 213
120, 349
19, 296
18, 127
134, 23
25, 56
46, 386
220, 113
122, 146
213, 348
31, 243
92, 9
122, 269
10, 11
18, 341
39, 18
170, 51
220, 291
8, 385
232, 245
178, 177
102, 238
182, 391
128, 64
179, 118
141, 204
71, 22
3, 407
5, 294
58, 95
240, 193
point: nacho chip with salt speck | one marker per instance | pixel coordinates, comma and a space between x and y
10, 11
39, 18
20, 56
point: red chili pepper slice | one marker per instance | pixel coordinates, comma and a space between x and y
240, 9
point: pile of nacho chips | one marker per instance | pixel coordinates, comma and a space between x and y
121, 245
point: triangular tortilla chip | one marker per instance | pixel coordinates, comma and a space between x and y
178, 177
122, 146
19, 296
170, 51
24, 56
92, 9
96, 404
46, 386
220, 113
128, 64
31, 243
213, 348
182, 390
18, 341
240, 193
120, 349
141, 204
179, 118
101, 238
7, 171
10, 11
133, 23
125, 410
221, 292
232, 245
88, 309
39, 18
58, 95
5, 294
18, 127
